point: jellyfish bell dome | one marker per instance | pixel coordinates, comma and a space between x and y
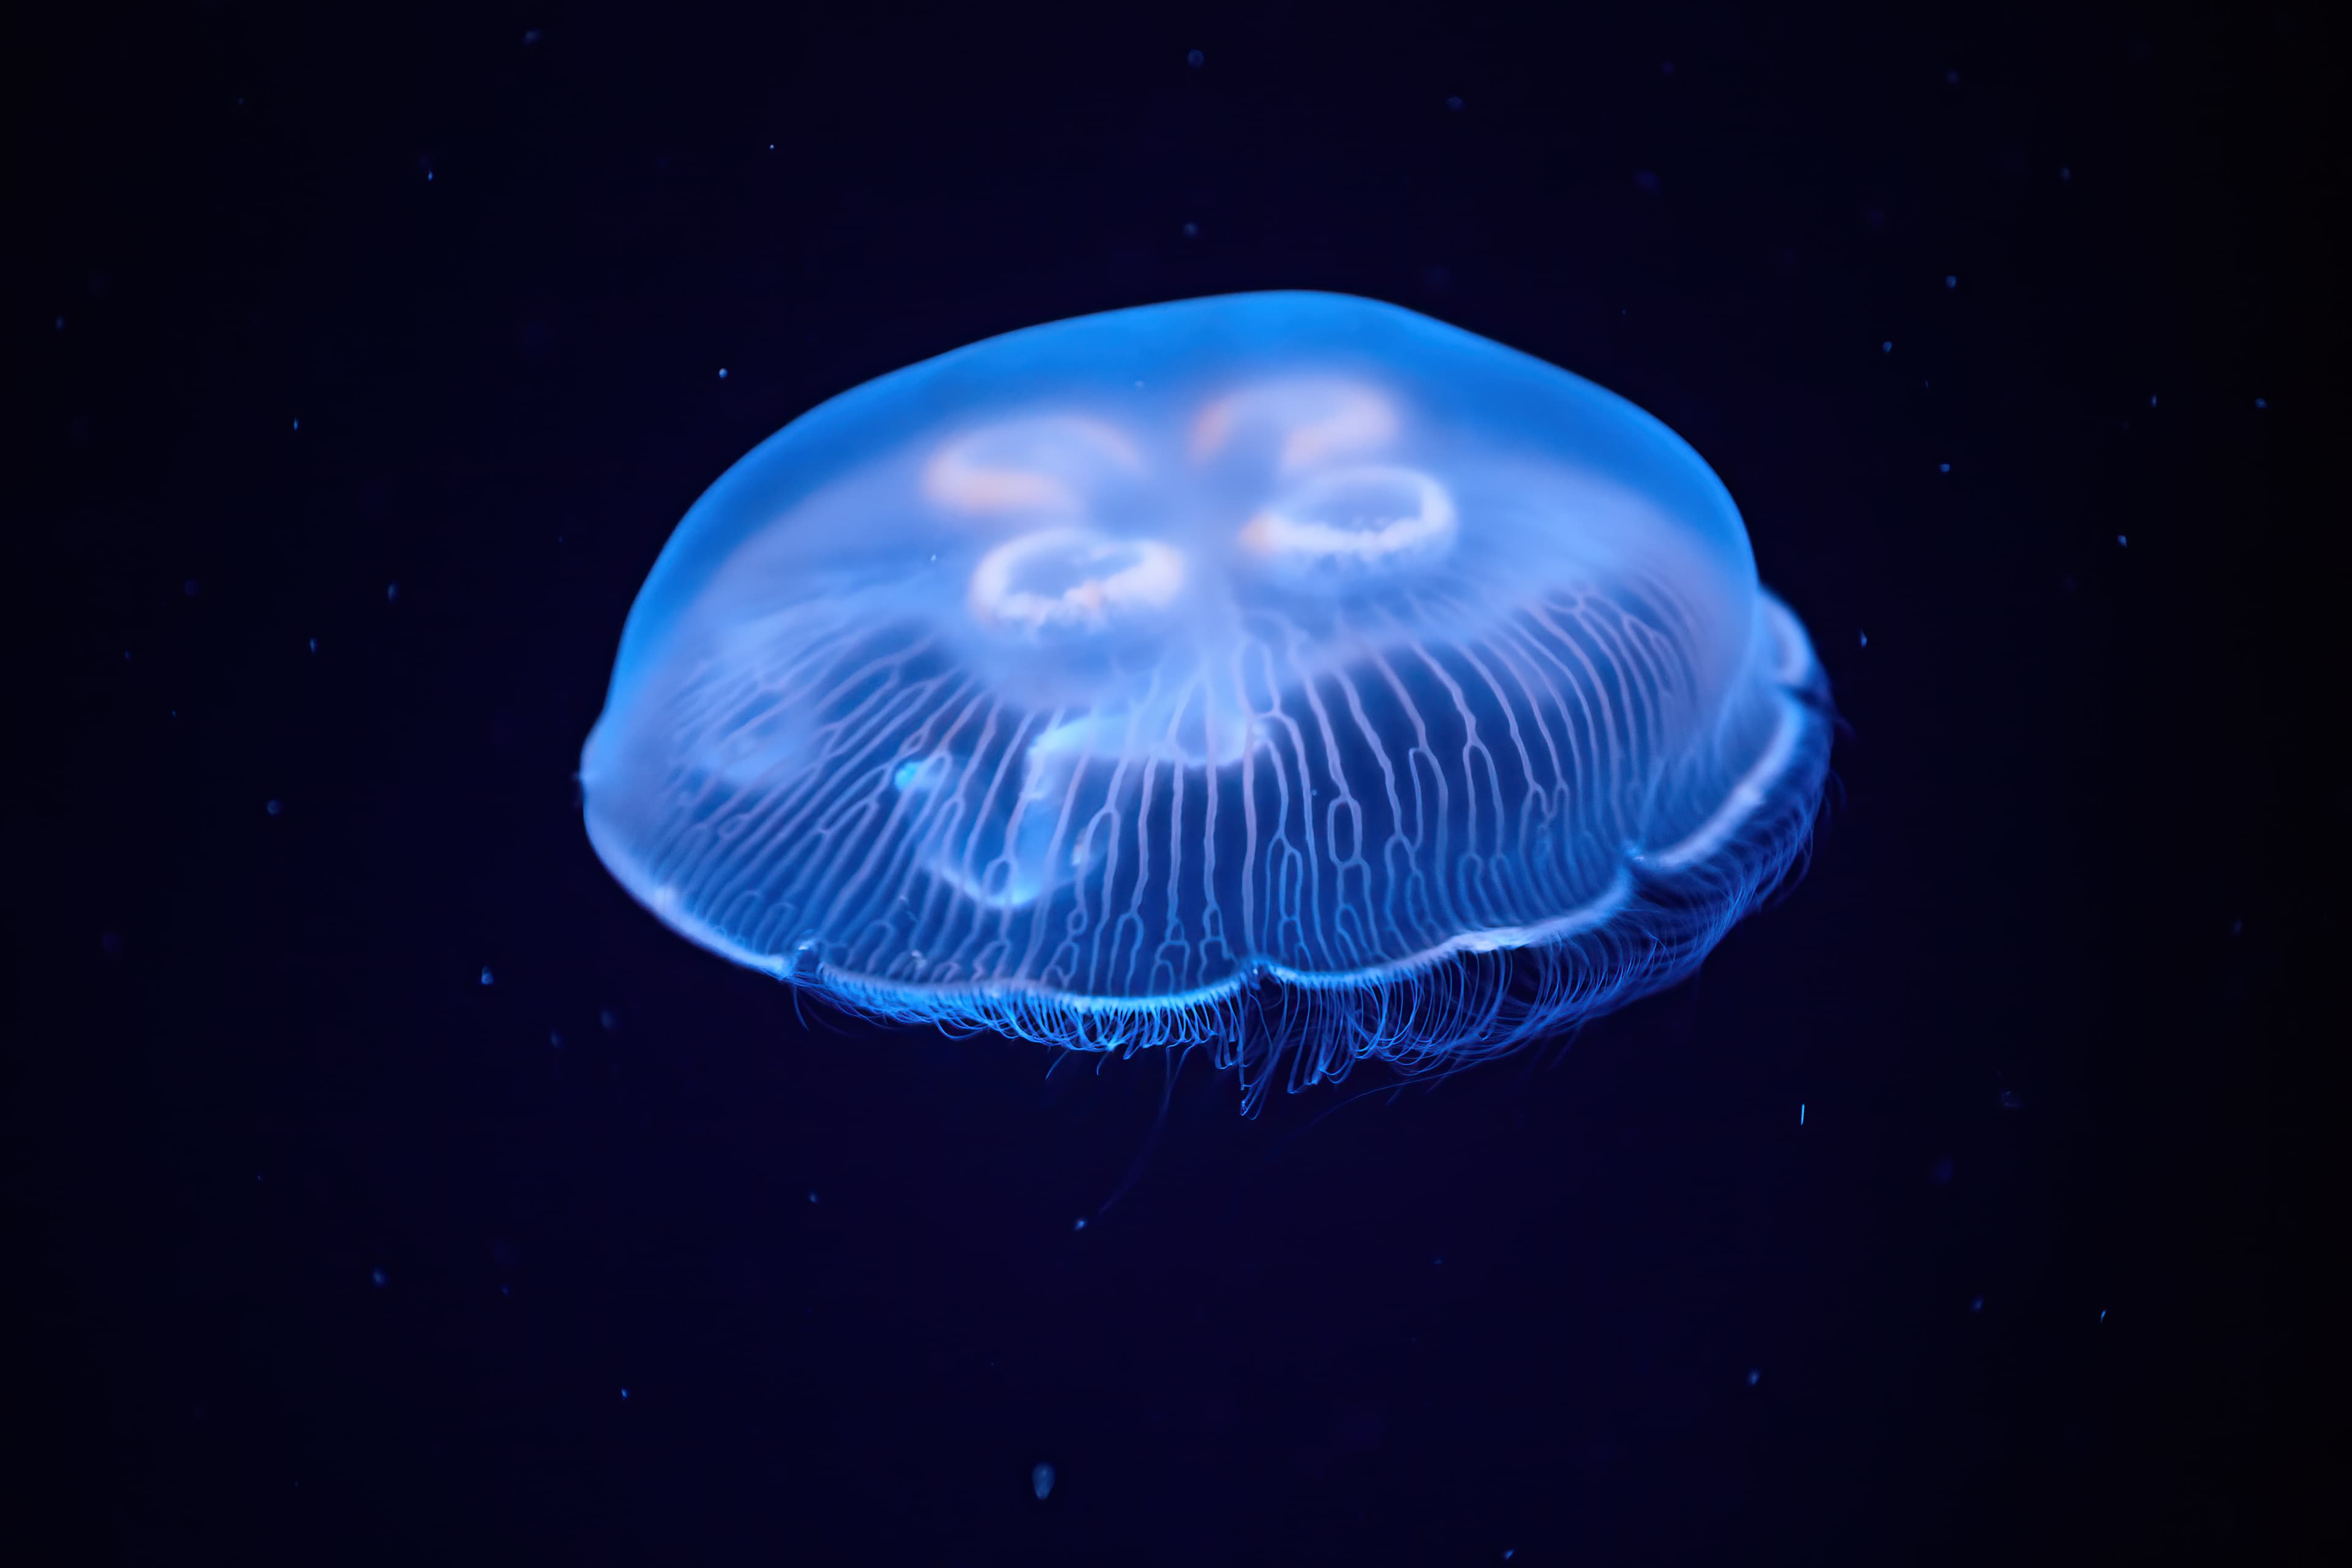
1113, 680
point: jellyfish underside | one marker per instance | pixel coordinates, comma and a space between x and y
1286, 675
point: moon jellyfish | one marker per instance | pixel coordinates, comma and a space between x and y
1285, 674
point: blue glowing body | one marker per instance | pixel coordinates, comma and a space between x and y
1285, 673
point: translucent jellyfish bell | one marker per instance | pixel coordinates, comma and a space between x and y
1287, 673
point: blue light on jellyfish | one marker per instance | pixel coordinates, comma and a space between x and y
1288, 675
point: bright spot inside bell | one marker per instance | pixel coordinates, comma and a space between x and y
1288, 674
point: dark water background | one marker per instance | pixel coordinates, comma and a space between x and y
324, 1250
